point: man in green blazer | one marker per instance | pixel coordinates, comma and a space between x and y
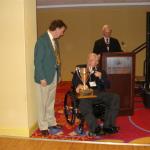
47, 74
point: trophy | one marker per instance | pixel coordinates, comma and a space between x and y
83, 73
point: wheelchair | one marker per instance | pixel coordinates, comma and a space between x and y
72, 112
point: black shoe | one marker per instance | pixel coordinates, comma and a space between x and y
55, 127
116, 129
44, 132
111, 130
92, 133
99, 131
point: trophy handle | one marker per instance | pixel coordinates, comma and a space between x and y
78, 74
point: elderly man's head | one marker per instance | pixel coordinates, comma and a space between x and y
106, 31
93, 60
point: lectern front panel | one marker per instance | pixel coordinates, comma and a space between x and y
120, 70
119, 65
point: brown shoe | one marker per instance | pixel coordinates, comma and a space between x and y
44, 132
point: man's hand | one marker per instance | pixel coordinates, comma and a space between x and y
80, 87
98, 74
43, 83
59, 80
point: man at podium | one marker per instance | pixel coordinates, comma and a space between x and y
107, 43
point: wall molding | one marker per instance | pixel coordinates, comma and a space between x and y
93, 5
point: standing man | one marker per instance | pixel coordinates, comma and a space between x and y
47, 74
107, 43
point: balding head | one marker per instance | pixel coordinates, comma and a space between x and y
106, 31
93, 60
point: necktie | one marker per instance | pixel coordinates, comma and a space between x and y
107, 41
56, 50
107, 44
58, 61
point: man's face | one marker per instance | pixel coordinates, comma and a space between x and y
59, 32
92, 61
107, 33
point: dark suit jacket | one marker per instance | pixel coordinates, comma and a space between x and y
100, 46
45, 60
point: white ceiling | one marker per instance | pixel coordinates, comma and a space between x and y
71, 3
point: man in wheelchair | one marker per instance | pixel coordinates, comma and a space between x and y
99, 83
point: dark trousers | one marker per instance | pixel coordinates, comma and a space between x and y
112, 102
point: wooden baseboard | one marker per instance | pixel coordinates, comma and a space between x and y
33, 128
22, 132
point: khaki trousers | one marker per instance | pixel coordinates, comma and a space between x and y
45, 102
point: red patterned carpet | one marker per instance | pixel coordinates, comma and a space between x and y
133, 129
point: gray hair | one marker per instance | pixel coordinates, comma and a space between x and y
106, 27
96, 57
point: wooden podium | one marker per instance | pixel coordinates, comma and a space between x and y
120, 68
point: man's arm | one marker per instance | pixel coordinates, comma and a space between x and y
96, 48
75, 80
38, 61
76, 83
102, 81
118, 47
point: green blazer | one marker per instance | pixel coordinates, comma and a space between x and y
45, 60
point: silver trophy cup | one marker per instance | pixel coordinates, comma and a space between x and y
84, 74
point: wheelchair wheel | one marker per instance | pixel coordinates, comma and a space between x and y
70, 107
